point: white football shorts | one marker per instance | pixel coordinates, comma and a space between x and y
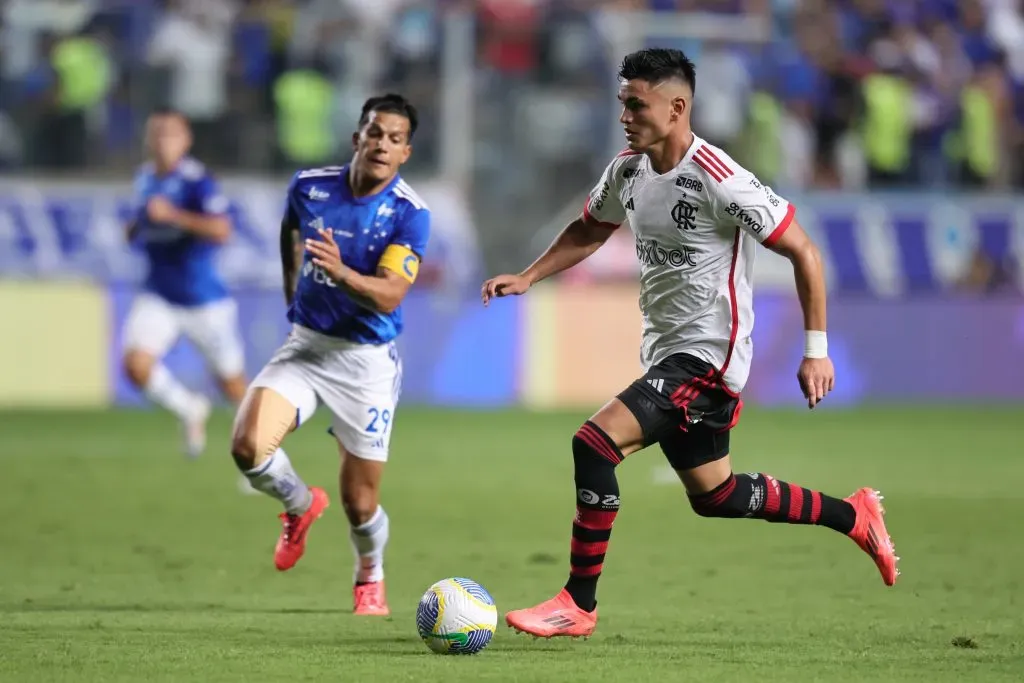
154, 325
358, 383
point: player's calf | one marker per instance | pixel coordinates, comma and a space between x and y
595, 456
162, 388
761, 496
359, 485
264, 419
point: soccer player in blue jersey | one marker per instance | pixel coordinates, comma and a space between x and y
351, 242
180, 221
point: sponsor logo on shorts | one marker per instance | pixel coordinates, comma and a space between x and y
658, 384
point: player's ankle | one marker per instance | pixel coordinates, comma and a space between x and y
582, 592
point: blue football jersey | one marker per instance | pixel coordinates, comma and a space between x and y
395, 221
182, 267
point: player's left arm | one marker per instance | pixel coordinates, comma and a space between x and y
396, 270
771, 220
211, 224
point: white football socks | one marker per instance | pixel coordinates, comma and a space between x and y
166, 391
277, 478
368, 541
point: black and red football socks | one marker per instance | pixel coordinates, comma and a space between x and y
595, 456
761, 496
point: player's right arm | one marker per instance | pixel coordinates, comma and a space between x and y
602, 215
291, 251
743, 201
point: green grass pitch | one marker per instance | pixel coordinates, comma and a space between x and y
120, 561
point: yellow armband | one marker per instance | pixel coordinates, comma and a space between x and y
401, 260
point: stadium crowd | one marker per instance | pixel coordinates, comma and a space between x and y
923, 93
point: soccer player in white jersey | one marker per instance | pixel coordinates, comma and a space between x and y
360, 231
698, 218
180, 222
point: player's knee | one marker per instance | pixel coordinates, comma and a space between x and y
590, 444
245, 449
249, 448
360, 503
730, 499
138, 366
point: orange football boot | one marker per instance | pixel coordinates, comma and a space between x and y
368, 599
292, 542
870, 534
559, 616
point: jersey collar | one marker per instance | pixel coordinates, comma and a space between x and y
694, 146
346, 189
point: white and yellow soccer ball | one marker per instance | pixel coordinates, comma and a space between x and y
456, 617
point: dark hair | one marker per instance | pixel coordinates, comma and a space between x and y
391, 103
656, 65
170, 111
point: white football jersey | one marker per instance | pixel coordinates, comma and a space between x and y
696, 229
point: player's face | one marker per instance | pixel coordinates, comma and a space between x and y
168, 138
649, 112
382, 145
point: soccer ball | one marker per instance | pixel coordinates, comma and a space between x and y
456, 617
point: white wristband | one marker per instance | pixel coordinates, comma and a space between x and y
815, 344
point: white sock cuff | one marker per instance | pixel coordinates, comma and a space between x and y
264, 466
372, 525
158, 377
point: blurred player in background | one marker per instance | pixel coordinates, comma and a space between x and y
180, 222
697, 217
351, 243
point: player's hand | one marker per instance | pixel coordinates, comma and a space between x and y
326, 254
504, 285
817, 377
159, 210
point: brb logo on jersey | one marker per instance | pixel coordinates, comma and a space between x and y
650, 253
688, 183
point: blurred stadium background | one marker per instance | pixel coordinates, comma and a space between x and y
897, 127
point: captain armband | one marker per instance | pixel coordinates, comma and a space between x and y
402, 260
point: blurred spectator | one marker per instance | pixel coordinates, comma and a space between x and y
922, 93
83, 74
719, 111
192, 42
305, 97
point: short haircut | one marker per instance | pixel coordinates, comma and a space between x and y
170, 111
656, 65
393, 104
